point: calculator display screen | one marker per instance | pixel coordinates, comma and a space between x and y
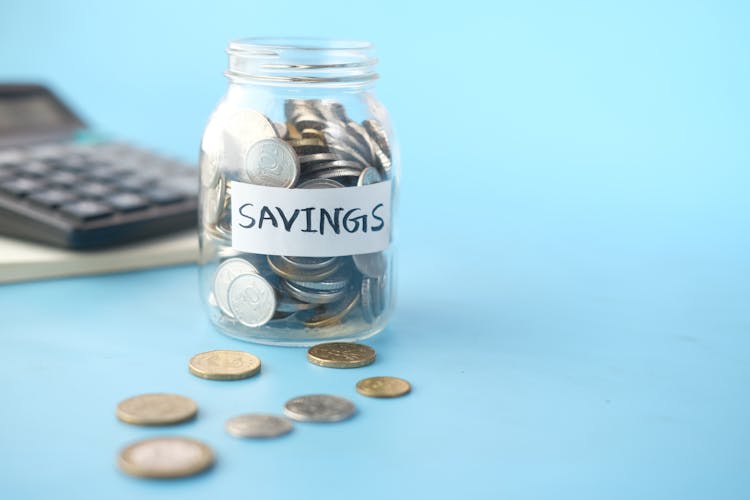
29, 109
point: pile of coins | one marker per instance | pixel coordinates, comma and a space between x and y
171, 457
317, 147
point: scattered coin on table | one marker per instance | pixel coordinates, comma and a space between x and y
165, 457
156, 409
319, 408
383, 387
341, 355
257, 425
224, 365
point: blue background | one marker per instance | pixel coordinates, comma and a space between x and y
574, 258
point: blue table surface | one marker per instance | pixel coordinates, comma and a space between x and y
573, 306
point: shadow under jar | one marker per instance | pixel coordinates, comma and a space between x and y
299, 174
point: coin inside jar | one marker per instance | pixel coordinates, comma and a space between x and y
156, 409
252, 300
224, 365
341, 355
165, 457
225, 274
241, 130
272, 162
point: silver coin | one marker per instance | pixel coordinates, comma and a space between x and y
310, 263
318, 157
257, 425
369, 176
252, 300
333, 164
209, 167
319, 408
212, 203
310, 295
383, 161
372, 265
346, 152
241, 130
309, 120
212, 151
380, 295
377, 133
291, 305
337, 281
334, 173
288, 270
343, 138
281, 129
373, 298
272, 162
367, 298
226, 273
359, 133
320, 184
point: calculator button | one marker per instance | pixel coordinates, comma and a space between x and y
127, 202
52, 197
86, 209
35, 168
72, 164
63, 178
136, 182
94, 189
11, 156
22, 186
164, 196
7, 172
108, 173
46, 152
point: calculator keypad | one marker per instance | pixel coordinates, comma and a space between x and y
94, 182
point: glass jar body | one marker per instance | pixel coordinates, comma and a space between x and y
333, 142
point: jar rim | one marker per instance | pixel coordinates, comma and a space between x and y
251, 44
297, 60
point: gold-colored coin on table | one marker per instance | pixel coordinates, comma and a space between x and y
165, 457
156, 409
341, 355
383, 387
224, 365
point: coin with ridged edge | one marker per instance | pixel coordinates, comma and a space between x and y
156, 409
224, 365
165, 457
341, 355
227, 272
257, 425
252, 300
272, 162
319, 408
383, 387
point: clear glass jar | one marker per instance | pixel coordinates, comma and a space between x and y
299, 174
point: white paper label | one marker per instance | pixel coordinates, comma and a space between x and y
311, 222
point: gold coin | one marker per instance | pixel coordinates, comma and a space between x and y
224, 365
341, 355
383, 387
334, 316
156, 409
165, 457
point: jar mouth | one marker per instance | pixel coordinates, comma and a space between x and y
274, 60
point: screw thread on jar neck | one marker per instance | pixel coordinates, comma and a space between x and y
294, 61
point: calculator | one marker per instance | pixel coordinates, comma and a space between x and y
62, 190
